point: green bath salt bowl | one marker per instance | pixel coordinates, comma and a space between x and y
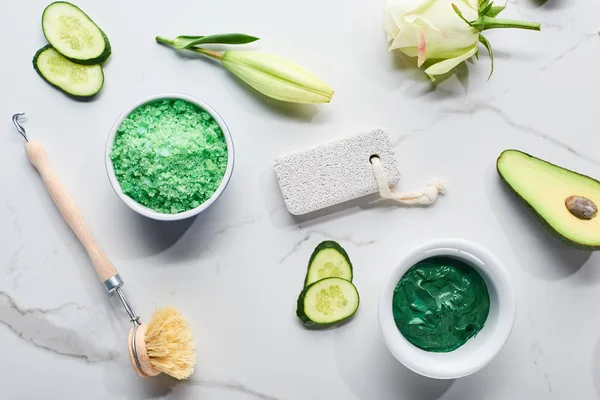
198, 206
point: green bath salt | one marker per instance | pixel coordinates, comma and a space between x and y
169, 156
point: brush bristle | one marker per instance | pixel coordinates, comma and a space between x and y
170, 344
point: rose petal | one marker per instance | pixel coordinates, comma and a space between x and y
405, 7
445, 66
430, 29
424, 22
389, 25
407, 37
402, 10
409, 51
422, 49
474, 4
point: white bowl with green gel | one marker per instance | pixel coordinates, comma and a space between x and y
425, 310
169, 156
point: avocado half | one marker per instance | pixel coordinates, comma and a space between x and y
550, 191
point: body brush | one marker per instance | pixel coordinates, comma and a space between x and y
166, 343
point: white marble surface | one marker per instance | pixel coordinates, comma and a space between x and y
236, 270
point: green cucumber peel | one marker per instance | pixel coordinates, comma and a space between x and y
80, 82
327, 302
63, 36
342, 267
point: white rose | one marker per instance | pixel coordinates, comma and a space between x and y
445, 32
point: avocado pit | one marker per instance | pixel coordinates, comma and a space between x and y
581, 207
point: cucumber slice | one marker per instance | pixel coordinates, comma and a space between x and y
327, 302
328, 260
80, 81
73, 34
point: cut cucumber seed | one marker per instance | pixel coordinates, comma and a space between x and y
328, 301
328, 260
82, 81
73, 34
70, 30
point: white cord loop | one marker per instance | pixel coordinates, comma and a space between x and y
424, 197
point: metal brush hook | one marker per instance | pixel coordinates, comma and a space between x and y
15, 120
114, 284
135, 319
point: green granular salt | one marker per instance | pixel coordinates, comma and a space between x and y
169, 156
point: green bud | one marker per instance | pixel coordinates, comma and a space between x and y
277, 77
271, 75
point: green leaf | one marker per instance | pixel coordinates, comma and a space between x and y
180, 42
486, 9
184, 42
459, 13
494, 11
488, 46
483, 4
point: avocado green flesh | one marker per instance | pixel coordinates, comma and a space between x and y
544, 187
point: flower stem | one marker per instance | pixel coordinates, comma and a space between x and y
164, 40
217, 55
485, 23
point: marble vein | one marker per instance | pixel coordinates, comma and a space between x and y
296, 247
474, 108
538, 353
236, 225
13, 259
565, 23
274, 210
14, 256
528, 129
232, 386
43, 327
220, 263
568, 51
309, 234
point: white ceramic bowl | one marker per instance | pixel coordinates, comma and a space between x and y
477, 351
145, 211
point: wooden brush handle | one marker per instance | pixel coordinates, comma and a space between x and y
69, 210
